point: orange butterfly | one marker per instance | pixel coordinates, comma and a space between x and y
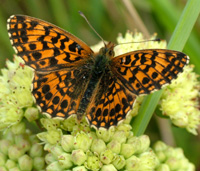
71, 79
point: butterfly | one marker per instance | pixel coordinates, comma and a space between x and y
69, 78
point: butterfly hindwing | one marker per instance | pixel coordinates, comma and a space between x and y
143, 71
109, 103
59, 93
44, 46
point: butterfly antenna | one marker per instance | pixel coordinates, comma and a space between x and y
91, 26
154, 40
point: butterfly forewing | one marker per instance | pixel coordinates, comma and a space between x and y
44, 46
146, 70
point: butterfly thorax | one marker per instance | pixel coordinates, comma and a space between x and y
99, 68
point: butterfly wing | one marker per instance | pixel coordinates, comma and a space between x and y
109, 103
59, 93
143, 71
44, 46
60, 61
131, 74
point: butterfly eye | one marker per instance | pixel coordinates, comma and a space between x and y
111, 53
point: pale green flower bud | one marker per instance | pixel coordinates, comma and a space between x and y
55, 166
134, 144
9, 136
98, 146
50, 124
18, 128
145, 143
33, 139
159, 146
2, 159
127, 150
54, 136
104, 134
148, 161
31, 114
114, 146
180, 119
50, 158
119, 162
78, 157
133, 163
163, 167
126, 128
174, 152
108, 167
67, 143
173, 163
92, 162
25, 163
65, 161
56, 150
9, 116
106, 156
42, 136
69, 123
38, 163
4, 146
10, 164
82, 141
161, 156
79, 168
120, 136
22, 142
184, 164
14, 152
36, 150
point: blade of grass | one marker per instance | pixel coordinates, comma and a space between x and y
177, 42
60, 14
37, 8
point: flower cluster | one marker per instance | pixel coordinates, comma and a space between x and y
83, 149
171, 158
15, 92
20, 150
180, 100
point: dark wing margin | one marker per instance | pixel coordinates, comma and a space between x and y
144, 71
44, 46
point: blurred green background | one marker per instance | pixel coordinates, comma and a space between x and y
109, 18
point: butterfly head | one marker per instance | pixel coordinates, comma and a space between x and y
108, 50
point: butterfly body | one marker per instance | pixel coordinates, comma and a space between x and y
69, 78
100, 66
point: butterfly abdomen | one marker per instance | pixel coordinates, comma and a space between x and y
100, 67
